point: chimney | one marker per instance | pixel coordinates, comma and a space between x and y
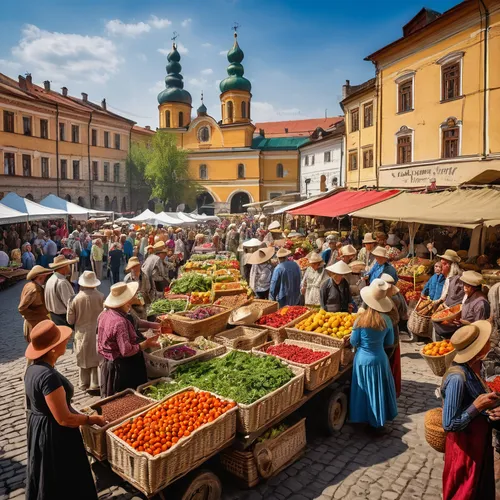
345, 89
103, 104
22, 82
148, 127
29, 81
85, 97
286, 130
65, 91
262, 133
46, 84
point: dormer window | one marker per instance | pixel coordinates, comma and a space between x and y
204, 134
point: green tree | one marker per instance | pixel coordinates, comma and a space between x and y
165, 169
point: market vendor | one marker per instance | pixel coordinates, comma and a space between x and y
123, 365
335, 293
434, 287
155, 270
475, 306
261, 271
381, 265
285, 281
365, 254
314, 277
232, 239
248, 248
347, 255
331, 254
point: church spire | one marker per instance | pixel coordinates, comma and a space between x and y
235, 70
202, 110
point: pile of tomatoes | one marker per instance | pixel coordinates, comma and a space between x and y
283, 316
165, 425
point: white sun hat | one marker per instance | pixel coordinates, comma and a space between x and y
375, 296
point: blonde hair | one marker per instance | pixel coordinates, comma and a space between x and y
371, 319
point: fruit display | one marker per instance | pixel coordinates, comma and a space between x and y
438, 348
120, 406
232, 301
337, 325
272, 433
442, 315
226, 286
191, 282
165, 306
282, 317
179, 352
303, 263
198, 298
296, 354
203, 313
412, 267
169, 423
299, 248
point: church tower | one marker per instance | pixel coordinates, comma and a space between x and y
174, 102
235, 89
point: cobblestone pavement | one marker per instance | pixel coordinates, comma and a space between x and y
352, 464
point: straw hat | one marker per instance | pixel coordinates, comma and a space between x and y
470, 339
274, 225
450, 256
387, 278
368, 238
160, 247
331, 237
132, 262
245, 316
97, 234
178, 230
339, 267
283, 252
375, 296
61, 261
348, 250
120, 294
314, 258
37, 271
261, 255
254, 242
108, 233
45, 336
331, 233
472, 278
294, 234
88, 280
148, 247
380, 252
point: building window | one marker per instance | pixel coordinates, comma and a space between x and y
26, 125
368, 158
230, 113
75, 133
124, 204
353, 161
311, 160
204, 134
181, 119
306, 160
45, 167
94, 202
106, 171
280, 171
44, 129
451, 81
355, 120
81, 201
95, 171
106, 139
167, 119
327, 157
116, 172
322, 183
27, 165
9, 164
404, 149
62, 132
76, 170
451, 138
94, 137
64, 169
405, 93
368, 115
117, 141
241, 171
243, 109
203, 172
8, 121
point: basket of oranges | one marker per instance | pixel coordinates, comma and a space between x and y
439, 356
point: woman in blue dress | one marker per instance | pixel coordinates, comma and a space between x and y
373, 393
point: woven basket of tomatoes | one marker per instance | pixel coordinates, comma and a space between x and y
439, 356
154, 448
278, 321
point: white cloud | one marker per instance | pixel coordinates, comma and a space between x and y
197, 82
158, 23
117, 27
208, 71
157, 87
206, 45
165, 52
267, 112
186, 22
67, 56
223, 52
181, 48
14, 66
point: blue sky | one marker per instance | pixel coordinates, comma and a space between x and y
297, 53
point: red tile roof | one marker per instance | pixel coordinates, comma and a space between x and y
142, 130
296, 128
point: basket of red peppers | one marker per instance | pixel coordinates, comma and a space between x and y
285, 317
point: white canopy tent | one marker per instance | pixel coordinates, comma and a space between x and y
142, 217
53, 201
204, 218
187, 218
10, 216
34, 211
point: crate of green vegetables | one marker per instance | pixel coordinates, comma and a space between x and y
166, 306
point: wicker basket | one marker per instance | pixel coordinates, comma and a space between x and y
317, 373
439, 364
435, 435
151, 474
222, 293
241, 464
419, 324
266, 306
242, 337
449, 318
278, 335
94, 437
274, 454
195, 328
346, 355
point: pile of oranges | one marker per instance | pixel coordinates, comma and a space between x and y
438, 348
165, 425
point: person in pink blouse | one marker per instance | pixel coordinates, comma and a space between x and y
123, 364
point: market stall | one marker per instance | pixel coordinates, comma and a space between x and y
34, 211
76, 211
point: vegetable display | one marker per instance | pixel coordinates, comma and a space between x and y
179, 352
198, 258
438, 348
164, 306
203, 313
118, 407
282, 317
191, 282
411, 267
169, 339
296, 354
175, 419
272, 433
201, 297
232, 300
337, 325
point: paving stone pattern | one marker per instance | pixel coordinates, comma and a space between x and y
352, 464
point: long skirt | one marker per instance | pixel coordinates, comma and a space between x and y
122, 373
468, 463
395, 363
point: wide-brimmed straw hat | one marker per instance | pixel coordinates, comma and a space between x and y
469, 340
61, 261
245, 316
388, 278
45, 336
89, 280
274, 225
348, 250
252, 243
132, 262
160, 247
283, 252
472, 278
339, 267
37, 271
314, 258
368, 238
375, 296
380, 252
120, 294
261, 255
148, 247
450, 256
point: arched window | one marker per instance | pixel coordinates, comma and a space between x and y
29, 196
106, 203
230, 112
450, 133
114, 204
279, 171
124, 204
95, 201
167, 119
67, 198
243, 109
181, 119
204, 134
322, 183
241, 171
203, 172
81, 201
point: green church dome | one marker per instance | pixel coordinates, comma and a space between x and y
235, 80
174, 86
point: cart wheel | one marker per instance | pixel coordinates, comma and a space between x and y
204, 485
336, 412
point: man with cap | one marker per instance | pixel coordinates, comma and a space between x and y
285, 281
331, 253
365, 254
335, 293
261, 271
32, 301
381, 265
155, 270
475, 305
58, 290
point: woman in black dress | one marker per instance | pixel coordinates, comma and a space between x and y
58, 468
